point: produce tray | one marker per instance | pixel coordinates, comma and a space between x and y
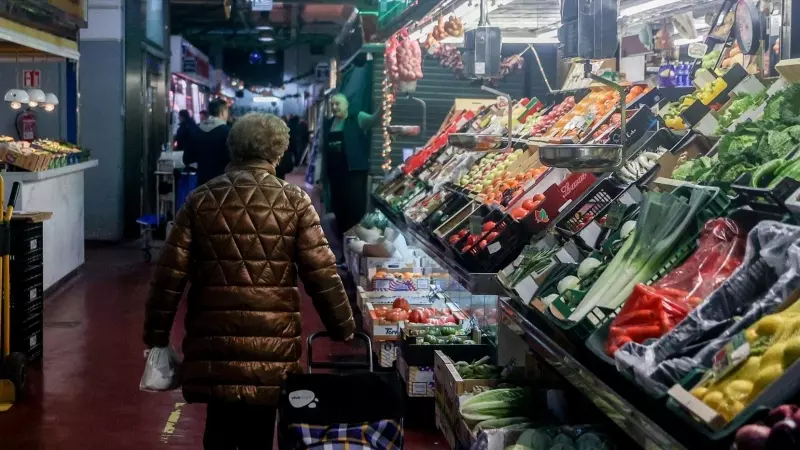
779, 391
765, 199
500, 252
593, 203
581, 330
746, 219
423, 355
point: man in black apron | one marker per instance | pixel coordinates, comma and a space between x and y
346, 160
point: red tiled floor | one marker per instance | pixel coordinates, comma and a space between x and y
86, 396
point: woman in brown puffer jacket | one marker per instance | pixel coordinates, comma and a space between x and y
241, 240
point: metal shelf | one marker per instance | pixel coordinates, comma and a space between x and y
636, 424
475, 283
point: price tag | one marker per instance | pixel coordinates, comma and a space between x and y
590, 233
34, 244
423, 284
476, 225
729, 357
707, 125
33, 294
494, 247
527, 288
697, 50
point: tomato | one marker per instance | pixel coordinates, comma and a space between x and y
381, 312
538, 197
482, 244
471, 240
401, 303
416, 316
448, 319
492, 236
433, 321
463, 232
488, 225
519, 213
529, 204
447, 311
453, 239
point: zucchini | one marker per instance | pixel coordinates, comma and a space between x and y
765, 173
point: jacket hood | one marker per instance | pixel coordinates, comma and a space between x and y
211, 123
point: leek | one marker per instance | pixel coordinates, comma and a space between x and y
661, 224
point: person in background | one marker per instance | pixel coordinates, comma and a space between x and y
203, 115
186, 128
208, 146
346, 161
243, 320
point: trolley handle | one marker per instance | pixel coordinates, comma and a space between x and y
12, 199
338, 365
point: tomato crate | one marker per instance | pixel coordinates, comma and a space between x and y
561, 308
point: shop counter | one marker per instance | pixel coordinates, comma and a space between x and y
60, 191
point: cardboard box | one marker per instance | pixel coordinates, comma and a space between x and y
386, 351
364, 296
418, 379
381, 330
397, 279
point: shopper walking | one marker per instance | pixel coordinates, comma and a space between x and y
346, 161
186, 128
208, 146
241, 240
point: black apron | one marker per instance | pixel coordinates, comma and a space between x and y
348, 188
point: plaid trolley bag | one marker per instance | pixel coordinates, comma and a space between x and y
351, 410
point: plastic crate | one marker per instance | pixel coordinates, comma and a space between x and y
29, 340
716, 206
26, 237
593, 203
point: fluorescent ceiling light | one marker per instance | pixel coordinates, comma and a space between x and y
529, 40
263, 28
679, 42
646, 6
269, 51
261, 99
266, 39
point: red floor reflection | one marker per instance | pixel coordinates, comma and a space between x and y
85, 395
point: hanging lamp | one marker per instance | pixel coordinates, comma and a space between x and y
16, 96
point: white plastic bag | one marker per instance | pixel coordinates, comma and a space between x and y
161, 371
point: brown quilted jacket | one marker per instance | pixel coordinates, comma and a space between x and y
242, 239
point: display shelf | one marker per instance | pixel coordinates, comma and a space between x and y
637, 425
644, 419
475, 283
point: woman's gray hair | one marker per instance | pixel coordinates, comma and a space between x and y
258, 136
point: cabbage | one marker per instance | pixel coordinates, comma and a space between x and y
535, 440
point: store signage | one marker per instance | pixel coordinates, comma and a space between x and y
31, 79
262, 5
189, 65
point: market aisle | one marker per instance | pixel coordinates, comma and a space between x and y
86, 395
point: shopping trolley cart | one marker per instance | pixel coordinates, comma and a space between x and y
356, 409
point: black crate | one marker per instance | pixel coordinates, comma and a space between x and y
25, 293
29, 341
26, 238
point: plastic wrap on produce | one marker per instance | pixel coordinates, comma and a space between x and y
578, 437
769, 274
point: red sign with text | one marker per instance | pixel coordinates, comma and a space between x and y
31, 79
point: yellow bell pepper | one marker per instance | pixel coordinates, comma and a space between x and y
774, 346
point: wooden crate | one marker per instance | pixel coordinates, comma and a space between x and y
449, 386
446, 427
464, 433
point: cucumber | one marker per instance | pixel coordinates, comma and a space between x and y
765, 172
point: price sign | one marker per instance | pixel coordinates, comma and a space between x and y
697, 50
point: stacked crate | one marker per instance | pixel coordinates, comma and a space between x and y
27, 288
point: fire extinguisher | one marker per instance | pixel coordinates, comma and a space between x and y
26, 125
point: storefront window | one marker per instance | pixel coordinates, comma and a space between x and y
154, 27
